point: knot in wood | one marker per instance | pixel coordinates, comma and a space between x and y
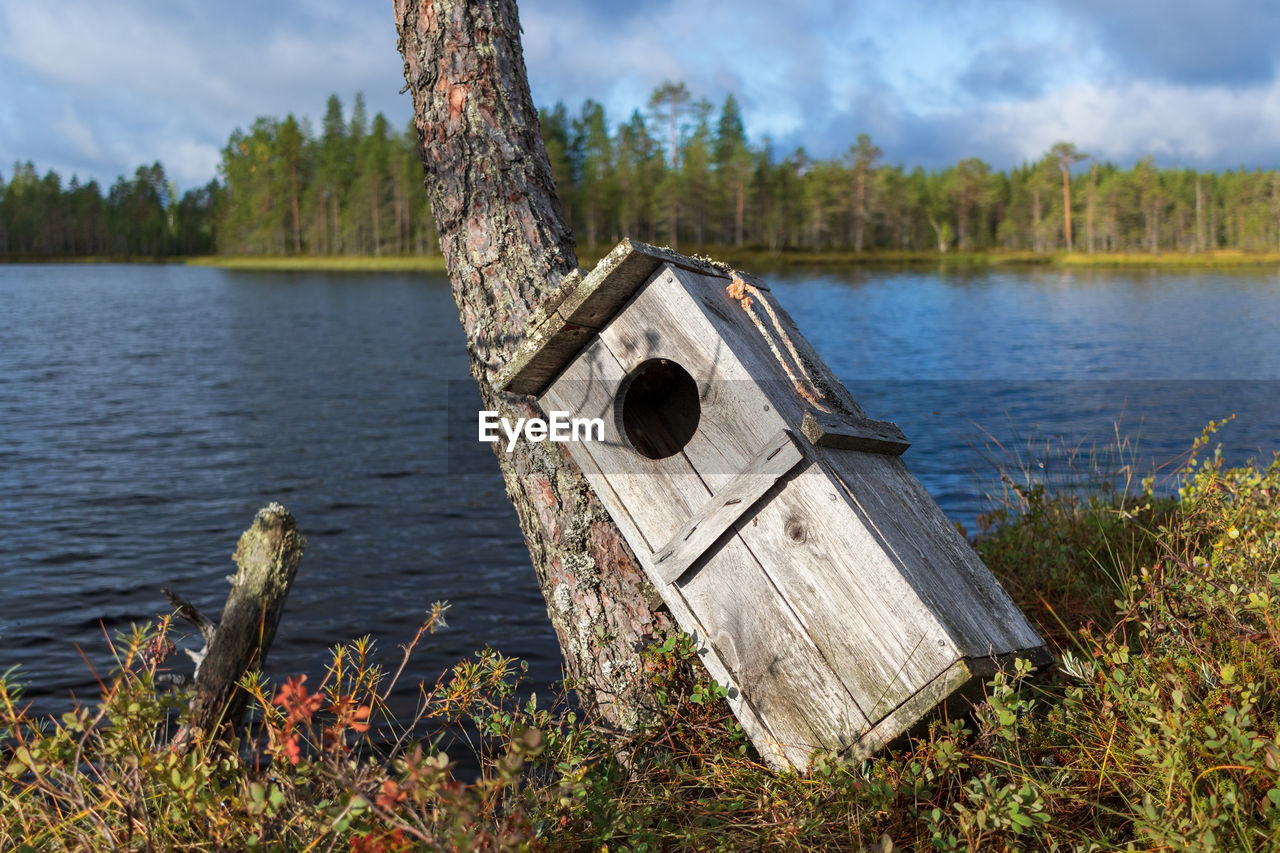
795, 530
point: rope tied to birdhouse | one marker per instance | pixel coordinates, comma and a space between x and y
741, 292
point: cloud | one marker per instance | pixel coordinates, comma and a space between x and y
172, 78
1007, 71
99, 88
1188, 42
1194, 126
187, 161
618, 53
212, 56
78, 135
1205, 126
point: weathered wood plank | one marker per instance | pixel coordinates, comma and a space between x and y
872, 627
769, 653
724, 507
738, 416
607, 287
829, 429
960, 686
752, 637
558, 333
766, 744
698, 338
888, 641
730, 324
932, 556
548, 347
825, 600
661, 493
912, 709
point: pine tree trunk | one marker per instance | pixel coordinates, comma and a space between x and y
395, 194
507, 245
293, 203
1036, 237
860, 211
1093, 189
738, 212
1200, 241
334, 222
1066, 205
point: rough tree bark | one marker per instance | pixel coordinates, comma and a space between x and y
508, 247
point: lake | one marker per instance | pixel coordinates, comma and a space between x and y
146, 413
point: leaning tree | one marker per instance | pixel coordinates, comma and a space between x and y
508, 247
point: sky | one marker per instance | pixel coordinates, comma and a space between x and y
97, 87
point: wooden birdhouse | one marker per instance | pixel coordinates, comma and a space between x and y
826, 590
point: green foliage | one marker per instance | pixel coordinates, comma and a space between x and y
141, 217
1156, 731
854, 202
355, 190
673, 176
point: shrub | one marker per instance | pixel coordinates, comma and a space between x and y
1158, 730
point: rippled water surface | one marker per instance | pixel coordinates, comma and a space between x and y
146, 412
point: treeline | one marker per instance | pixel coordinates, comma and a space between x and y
138, 217
679, 172
356, 188
684, 173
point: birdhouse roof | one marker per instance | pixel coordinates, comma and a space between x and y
567, 321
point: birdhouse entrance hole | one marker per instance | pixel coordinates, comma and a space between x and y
660, 408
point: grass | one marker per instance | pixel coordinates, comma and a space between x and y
1158, 730
754, 259
1219, 258
764, 260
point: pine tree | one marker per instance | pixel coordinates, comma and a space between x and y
862, 157
1067, 155
733, 162
667, 102
593, 155
290, 143
695, 171
334, 167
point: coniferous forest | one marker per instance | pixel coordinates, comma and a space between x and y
680, 172
138, 217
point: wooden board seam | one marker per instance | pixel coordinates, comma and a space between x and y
977, 669
779, 455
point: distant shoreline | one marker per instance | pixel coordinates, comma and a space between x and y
323, 263
747, 259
